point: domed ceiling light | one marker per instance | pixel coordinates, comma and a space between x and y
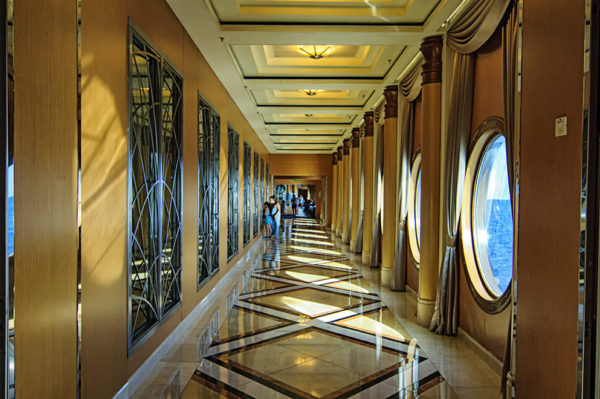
316, 51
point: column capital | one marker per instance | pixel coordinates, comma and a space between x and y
432, 55
369, 117
347, 146
340, 152
355, 137
391, 101
334, 158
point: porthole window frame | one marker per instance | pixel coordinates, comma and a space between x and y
413, 240
484, 296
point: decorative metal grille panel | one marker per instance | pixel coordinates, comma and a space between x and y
263, 193
233, 190
247, 204
209, 128
155, 183
255, 190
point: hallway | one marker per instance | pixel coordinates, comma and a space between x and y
311, 323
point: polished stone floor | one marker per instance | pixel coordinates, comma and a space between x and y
307, 321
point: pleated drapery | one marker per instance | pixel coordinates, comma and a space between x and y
358, 247
476, 25
510, 38
445, 315
409, 88
469, 32
375, 260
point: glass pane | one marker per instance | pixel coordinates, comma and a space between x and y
208, 189
170, 190
247, 211
156, 188
233, 204
144, 171
492, 218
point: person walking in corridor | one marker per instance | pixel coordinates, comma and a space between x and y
268, 220
276, 213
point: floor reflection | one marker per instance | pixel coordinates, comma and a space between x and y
307, 325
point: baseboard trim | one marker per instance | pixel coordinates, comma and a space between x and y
480, 351
411, 291
201, 310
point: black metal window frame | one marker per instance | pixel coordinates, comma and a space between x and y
6, 157
263, 193
255, 191
233, 191
155, 188
247, 212
209, 174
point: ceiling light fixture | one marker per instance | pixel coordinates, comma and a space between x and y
310, 92
308, 115
316, 51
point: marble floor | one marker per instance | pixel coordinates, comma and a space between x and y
308, 321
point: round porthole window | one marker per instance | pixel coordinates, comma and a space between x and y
414, 210
486, 218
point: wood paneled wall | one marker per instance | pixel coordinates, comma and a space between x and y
307, 165
553, 32
45, 63
488, 100
105, 364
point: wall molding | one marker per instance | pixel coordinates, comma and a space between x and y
480, 351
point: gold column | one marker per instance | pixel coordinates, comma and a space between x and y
355, 187
368, 188
333, 188
346, 191
430, 177
390, 193
340, 168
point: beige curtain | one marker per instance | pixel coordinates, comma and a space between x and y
359, 233
378, 166
469, 32
346, 237
476, 25
410, 87
510, 37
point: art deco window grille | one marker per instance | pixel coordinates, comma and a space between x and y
267, 181
263, 193
155, 187
209, 128
233, 189
257, 206
247, 215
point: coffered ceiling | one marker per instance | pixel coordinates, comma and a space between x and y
261, 51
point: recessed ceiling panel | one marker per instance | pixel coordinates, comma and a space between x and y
295, 60
373, 12
304, 140
317, 118
312, 96
305, 131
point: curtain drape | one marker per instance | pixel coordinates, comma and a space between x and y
469, 32
375, 260
359, 233
476, 25
445, 315
510, 38
346, 237
409, 88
